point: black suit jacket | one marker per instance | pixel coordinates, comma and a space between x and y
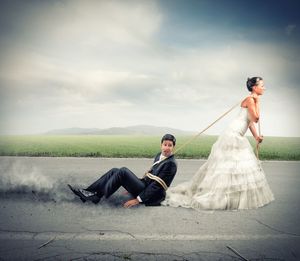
154, 193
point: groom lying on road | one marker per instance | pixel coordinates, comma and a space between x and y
149, 190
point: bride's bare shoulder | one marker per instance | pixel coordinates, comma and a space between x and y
245, 103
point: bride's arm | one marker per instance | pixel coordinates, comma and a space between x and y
253, 108
254, 133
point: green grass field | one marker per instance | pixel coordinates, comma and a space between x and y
273, 148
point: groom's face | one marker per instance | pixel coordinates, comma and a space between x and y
167, 148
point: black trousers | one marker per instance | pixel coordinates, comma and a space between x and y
112, 180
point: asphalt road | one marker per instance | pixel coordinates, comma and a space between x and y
41, 220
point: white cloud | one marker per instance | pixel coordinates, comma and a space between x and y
102, 64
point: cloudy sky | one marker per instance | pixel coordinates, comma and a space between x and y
179, 64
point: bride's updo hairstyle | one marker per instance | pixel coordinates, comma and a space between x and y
252, 82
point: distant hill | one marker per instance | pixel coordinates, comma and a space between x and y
131, 130
72, 131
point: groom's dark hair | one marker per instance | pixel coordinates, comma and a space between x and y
169, 137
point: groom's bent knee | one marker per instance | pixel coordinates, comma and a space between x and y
124, 169
123, 172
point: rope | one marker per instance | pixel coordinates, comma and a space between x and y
157, 179
194, 137
205, 129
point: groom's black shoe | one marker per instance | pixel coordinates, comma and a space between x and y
85, 195
76, 192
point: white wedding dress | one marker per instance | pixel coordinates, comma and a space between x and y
232, 177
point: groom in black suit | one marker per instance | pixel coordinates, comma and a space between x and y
149, 190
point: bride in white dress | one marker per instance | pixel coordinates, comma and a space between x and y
232, 177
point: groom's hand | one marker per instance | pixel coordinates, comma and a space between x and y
131, 203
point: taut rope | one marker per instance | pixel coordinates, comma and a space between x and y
210, 125
161, 182
205, 129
